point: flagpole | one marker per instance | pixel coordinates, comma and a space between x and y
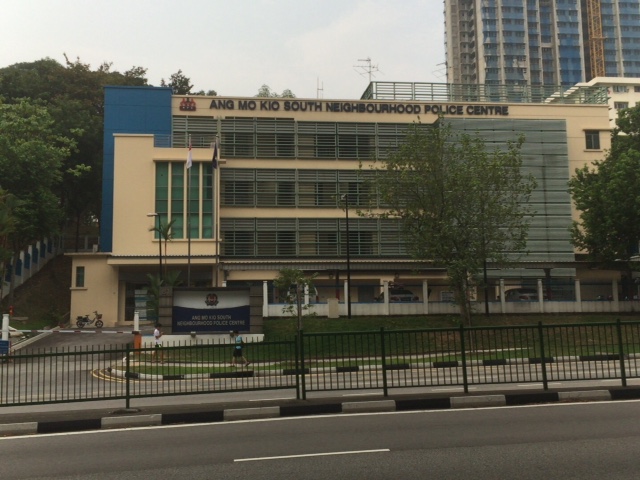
217, 209
215, 230
189, 165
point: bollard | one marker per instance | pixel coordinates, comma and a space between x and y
137, 339
5, 326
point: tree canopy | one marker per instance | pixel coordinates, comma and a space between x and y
265, 91
31, 155
459, 204
73, 96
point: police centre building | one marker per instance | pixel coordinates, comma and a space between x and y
274, 198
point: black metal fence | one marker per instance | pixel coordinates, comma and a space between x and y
313, 362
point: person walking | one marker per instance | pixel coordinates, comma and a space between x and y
237, 350
157, 337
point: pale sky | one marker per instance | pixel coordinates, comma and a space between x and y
235, 46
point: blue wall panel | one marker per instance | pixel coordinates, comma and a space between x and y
144, 110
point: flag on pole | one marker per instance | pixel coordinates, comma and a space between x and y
215, 153
189, 155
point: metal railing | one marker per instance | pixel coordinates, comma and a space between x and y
452, 92
314, 362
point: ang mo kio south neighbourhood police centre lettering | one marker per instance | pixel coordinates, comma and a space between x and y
358, 107
210, 309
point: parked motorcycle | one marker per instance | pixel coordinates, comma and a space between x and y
84, 320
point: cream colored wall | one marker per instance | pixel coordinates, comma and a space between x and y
100, 291
134, 198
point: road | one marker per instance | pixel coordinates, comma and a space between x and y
564, 441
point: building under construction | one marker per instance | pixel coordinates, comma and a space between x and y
541, 42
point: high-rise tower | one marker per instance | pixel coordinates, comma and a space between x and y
541, 42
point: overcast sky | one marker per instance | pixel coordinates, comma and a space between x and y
235, 46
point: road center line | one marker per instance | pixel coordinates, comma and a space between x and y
355, 452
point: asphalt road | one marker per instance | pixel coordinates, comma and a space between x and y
561, 441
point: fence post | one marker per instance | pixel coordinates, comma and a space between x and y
623, 372
385, 387
127, 376
543, 360
302, 367
465, 383
296, 365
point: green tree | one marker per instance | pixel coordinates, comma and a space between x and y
31, 154
291, 284
180, 84
7, 227
460, 205
73, 95
165, 234
210, 93
265, 91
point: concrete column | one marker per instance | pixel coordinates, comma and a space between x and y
265, 299
614, 292
347, 293
578, 297
540, 296
425, 297
385, 289
306, 294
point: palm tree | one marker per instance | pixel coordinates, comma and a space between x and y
165, 232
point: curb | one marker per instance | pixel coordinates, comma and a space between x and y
133, 419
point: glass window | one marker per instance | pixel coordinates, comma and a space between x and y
79, 277
592, 138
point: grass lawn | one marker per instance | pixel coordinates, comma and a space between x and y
279, 327
410, 340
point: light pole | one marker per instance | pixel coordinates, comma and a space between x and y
345, 198
158, 228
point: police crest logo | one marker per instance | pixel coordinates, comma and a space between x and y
211, 300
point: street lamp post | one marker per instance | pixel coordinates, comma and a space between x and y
158, 226
345, 198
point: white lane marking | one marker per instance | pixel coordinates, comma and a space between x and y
354, 452
266, 399
359, 394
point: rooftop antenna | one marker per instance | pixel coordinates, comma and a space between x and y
319, 89
442, 71
368, 68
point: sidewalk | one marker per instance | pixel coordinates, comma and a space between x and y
69, 417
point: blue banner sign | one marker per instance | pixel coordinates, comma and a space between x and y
206, 310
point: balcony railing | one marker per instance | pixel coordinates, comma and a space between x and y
451, 92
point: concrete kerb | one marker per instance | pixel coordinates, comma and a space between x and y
132, 421
369, 407
128, 420
479, 401
251, 413
11, 429
591, 395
